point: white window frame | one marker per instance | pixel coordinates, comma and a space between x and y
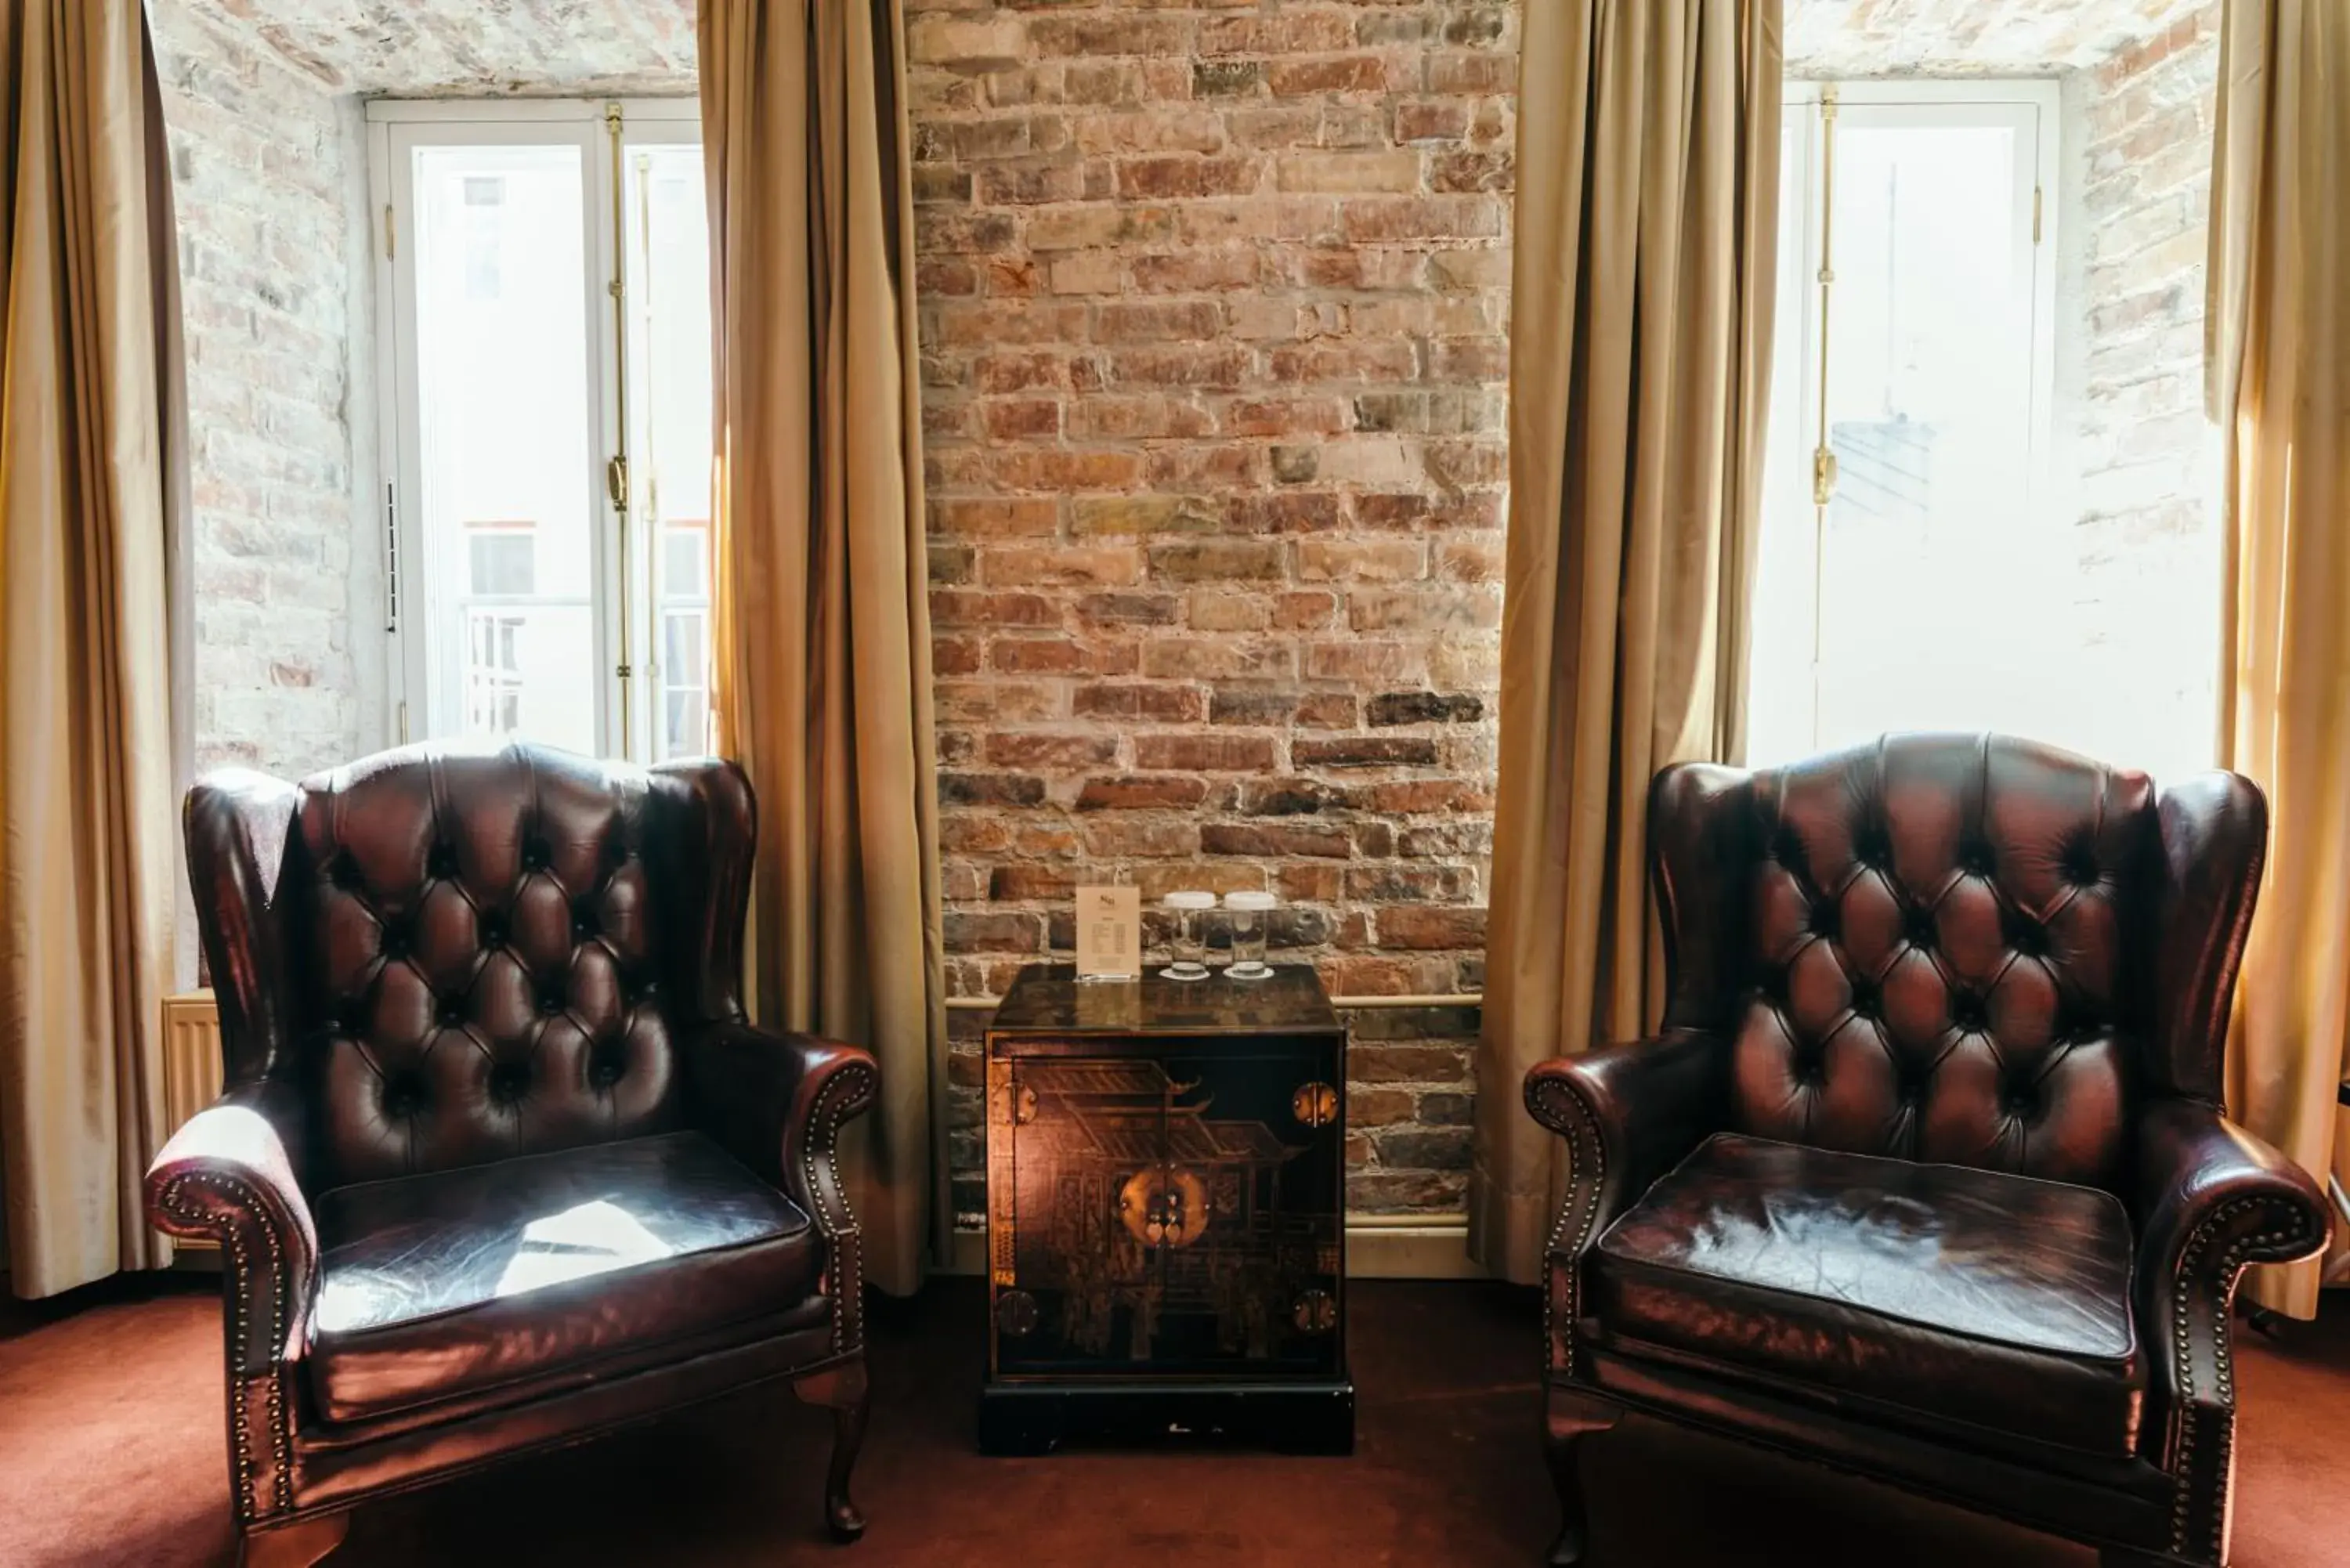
622, 578
2035, 102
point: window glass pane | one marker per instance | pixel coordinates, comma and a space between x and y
684, 717
503, 403
670, 401
685, 561
685, 656
684, 647
1930, 591
1929, 545
520, 672
503, 561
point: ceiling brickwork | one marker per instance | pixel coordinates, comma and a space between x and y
470, 46
1966, 38
417, 47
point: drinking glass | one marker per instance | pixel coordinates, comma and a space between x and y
1250, 914
1190, 939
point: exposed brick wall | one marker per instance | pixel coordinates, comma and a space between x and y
289, 669
1213, 322
2142, 447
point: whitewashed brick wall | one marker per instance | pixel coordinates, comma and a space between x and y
288, 668
2143, 452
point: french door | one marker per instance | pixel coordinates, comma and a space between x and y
543, 379
1910, 539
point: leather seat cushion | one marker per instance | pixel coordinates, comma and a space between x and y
1951, 1295
443, 1285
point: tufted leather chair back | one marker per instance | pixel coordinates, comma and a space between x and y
1965, 950
464, 956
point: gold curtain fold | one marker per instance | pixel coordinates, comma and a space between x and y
1640, 340
822, 637
88, 378
2277, 328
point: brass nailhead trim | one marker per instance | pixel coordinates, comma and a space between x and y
2287, 1240
240, 1194
849, 1089
1581, 1208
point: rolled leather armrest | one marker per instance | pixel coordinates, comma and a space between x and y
1628, 1113
776, 1102
230, 1175
2210, 1199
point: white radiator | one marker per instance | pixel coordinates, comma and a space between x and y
191, 1066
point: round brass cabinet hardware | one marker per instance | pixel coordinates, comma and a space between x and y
1012, 1105
1164, 1206
1015, 1314
1315, 1104
1314, 1312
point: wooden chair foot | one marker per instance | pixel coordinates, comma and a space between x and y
1571, 1418
1566, 1550
296, 1546
840, 1515
844, 1390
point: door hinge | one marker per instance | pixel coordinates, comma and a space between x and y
2035, 214
391, 557
1824, 476
404, 721
615, 483
391, 234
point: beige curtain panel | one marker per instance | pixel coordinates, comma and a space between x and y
1647, 188
88, 381
823, 636
2278, 331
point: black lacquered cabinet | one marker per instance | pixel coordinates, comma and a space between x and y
1166, 1212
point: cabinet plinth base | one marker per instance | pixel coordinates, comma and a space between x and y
1286, 1418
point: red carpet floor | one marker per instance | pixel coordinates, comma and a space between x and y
111, 1452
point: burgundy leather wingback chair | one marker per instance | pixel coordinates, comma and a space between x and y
499, 1165
1926, 1174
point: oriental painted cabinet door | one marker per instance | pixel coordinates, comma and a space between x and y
1166, 1206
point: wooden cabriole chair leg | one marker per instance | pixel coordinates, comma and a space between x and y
1571, 1417
296, 1546
844, 1390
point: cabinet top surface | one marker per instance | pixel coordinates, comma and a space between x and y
1048, 999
